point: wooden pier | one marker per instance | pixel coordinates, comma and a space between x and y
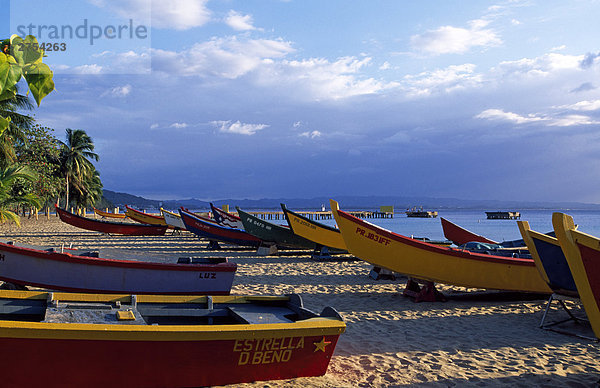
503, 215
320, 215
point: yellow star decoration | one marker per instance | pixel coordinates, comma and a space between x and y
321, 345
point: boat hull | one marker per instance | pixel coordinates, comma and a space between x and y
435, 263
549, 260
139, 355
144, 218
314, 231
460, 236
172, 220
216, 232
226, 219
110, 227
67, 272
109, 215
272, 233
583, 256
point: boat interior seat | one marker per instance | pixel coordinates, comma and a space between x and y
99, 313
254, 314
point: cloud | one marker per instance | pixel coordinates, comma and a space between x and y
311, 135
154, 126
589, 59
228, 57
455, 40
500, 115
583, 106
174, 14
118, 91
178, 125
541, 66
238, 127
584, 87
264, 62
558, 121
572, 120
442, 80
239, 22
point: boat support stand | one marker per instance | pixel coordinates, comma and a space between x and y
425, 293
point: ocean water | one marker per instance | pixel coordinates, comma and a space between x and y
476, 222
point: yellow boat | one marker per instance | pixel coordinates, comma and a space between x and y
435, 263
324, 235
144, 218
109, 215
583, 255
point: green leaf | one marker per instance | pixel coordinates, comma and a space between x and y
10, 74
39, 79
26, 51
4, 123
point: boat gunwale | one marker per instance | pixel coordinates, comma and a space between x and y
312, 222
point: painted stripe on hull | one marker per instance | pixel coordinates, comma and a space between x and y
439, 264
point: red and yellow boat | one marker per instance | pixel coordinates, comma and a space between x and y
144, 218
582, 252
435, 263
127, 228
89, 340
109, 215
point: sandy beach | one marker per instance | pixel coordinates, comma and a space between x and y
476, 338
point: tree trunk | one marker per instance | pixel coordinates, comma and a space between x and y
67, 203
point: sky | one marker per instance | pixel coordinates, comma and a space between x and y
216, 99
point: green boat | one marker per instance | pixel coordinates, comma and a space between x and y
279, 235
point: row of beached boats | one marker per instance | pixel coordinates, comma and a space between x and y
199, 335
129, 323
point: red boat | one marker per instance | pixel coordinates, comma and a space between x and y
94, 340
208, 229
110, 227
460, 236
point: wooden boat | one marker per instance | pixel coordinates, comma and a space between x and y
273, 234
206, 228
321, 234
109, 215
86, 272
89, 340
583, 255
421, 260
173, 220
109, 226
459, 235
549, 260
225, 218
144, 218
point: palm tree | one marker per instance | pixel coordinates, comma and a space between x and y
88, 191
9, 199
75, 155
18, 123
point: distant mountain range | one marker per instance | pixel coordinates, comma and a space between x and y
346, 202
